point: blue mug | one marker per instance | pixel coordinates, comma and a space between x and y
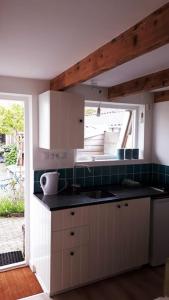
120, 153
128, 153
135, 153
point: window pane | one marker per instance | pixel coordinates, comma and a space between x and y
106, 131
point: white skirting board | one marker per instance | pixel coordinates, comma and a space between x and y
41, 296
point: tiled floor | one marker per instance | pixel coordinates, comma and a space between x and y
11, 235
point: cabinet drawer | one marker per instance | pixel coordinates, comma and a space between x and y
68, 218
69, 268
69, 238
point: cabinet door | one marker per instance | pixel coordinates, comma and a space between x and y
102, 249
69, 268
119, 237
132, 229
61, 120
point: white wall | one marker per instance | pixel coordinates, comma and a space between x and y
161, 133
43, 159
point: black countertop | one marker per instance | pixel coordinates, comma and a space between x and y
69, 200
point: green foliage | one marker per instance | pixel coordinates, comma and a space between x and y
10, 155
9, 206
89, 111
11, 119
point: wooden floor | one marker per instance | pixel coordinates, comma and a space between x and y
18, 283
143, 284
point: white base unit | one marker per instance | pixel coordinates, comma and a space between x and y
73, 247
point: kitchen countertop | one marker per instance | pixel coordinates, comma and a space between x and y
69, 200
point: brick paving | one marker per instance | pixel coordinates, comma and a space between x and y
11, 235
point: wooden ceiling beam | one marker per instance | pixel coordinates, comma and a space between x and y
161, 96
147, 35
146, 83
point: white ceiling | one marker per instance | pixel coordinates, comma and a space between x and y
152, 62
42, 38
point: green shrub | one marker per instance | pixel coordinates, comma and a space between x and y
10, 155
9, 206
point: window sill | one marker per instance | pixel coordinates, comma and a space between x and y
112, 162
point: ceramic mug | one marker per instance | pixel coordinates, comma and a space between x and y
120, 153
128, 153
135, 153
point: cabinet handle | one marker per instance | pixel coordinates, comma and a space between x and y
81, 120
126, 204
72, 233
71, 253
119, 206
72, 213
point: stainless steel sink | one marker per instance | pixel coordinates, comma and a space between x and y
99, 194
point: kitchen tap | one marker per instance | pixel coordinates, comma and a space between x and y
74, 185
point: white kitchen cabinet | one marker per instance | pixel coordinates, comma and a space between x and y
61, 120
69, 268
131, 234
80, 245
119, 237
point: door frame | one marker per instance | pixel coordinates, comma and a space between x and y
28, 170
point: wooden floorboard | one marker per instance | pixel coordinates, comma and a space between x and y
143, 284
18, 283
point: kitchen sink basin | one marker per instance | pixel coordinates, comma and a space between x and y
99, 194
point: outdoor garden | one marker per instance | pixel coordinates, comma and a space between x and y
11, 160
11, 182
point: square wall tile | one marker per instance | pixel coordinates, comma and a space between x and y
167, 170
114, 170
37, 187
89, 172
38, 174
155, 168
97, 180
79, 172
69, 172
89, 181
80, 181
122, 170
162, 169
130, 169
137, 168
62, 173
106, 180
105, 171
97, 171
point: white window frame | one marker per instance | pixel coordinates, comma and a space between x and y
136, 109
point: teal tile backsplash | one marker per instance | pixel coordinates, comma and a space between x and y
146, 173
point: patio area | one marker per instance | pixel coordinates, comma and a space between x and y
11, 214
11, 235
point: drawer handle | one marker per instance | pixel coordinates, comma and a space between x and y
119, 206
72, 233
81, 120
126, 204
72, 213
71, 253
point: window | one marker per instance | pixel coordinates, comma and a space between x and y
108, 127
